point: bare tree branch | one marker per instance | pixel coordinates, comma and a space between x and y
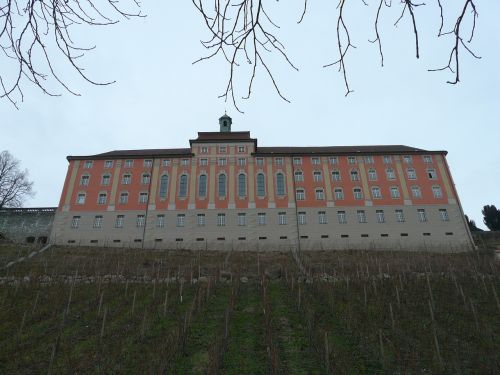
14, 184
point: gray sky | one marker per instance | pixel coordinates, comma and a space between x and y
161, 100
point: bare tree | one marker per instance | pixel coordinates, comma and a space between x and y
34, 34
15, 186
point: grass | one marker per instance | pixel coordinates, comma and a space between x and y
353, 313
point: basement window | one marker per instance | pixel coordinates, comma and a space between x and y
324, 236
262, 238
404, 234
71, 241
364, 235
304, 237
426, 234
344, 236
200, 239
137, 240
449, 233
283, 237
221, 238
179, 239
384, 235
242, 238
94, 241
117, 241
158, 240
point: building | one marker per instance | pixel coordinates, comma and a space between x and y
225, 192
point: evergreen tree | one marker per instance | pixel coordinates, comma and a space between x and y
491, 217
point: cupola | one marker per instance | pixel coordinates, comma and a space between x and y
225, 124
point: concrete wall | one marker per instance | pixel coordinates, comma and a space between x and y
25, 225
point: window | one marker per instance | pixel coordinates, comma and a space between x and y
222, 161
336, 175
222, 186
84, 180
143, 198
184, 162
183, 185
341, 216
221, 220
317, 176
129, 163
436, 191
334, 160
204, 149
108, 164
242, 185
140, 221
160, 221
259, 161
241, 149
145, 178
351, 159
123, 198
387, 159
372, 174
242, 162
354, 175
376, 194
431, 173
361, 216
200, 220
80, 199
119, 221
261, 218
166, 162
389, 172
278, 161
315, 161
407, 159
88, 164
299, 176
97, 221
394, 192
339, 193
163, 186
380, 216
280, 184
222, 149
400, 217
148, 163
301, 218
369, 160
297, 161
300, 194
412, 175
322, 217
126, 179
181, 220
444, 215
320, 194
202, 186
422, 217
357, 193
242, 219
282, 218
261, 185
427, 159
75, 222
416, 192
102, 198
105, 179
203, 161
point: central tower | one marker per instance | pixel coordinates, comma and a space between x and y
225, 124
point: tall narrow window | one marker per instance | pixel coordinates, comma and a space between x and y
222, 186
322, 217
412, 175
315, 161
301, 218
372, 175
183, 184
282, 218
242, 185
431, 173
108, 164
160, 221
140, 221
280, 184
221, 220
146, 178
202, 186
163, 186
261, 185
422, 217
341, 216
387, 159
380, 216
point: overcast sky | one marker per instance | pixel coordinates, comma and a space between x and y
161, 100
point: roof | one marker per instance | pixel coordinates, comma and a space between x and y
342, 150
117, 154
207, 137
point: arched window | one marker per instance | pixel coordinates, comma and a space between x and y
202, 185
163, 186
261, 185
242, 185
280, 183
222, 185
183, 185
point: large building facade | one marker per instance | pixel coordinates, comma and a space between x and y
225, 192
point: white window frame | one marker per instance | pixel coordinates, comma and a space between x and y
123, 199
281, 218
242, 219
143, 197
300, 194
351, 160
160, 221
315, 160
342, 217
395, 194
336, 176
140, 221
416, 192
372, 175
200, 220
411, 173
261, 218
437, 192
376, 192
354, 175
119, 221
129, 163
108, 164
390, 174
443, 213
380, 216
301, 218
422, 216
400, 216
361, 215
101, 201
221, 220
297, 160
320, 194
322, 219
181, 220
357, 193
317, 176
299, 176
339, 193
75, 222
126, 179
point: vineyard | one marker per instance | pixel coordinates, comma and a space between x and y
91, 310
